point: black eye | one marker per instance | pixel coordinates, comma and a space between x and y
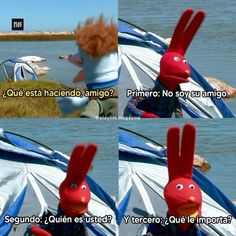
83, 187
179, 186
184, 61
73, 186
191, 186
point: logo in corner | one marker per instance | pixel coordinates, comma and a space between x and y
17, 24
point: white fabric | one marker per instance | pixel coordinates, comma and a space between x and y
13, 180
132, 72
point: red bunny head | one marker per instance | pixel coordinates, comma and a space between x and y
74, 191
182, 194
174, 69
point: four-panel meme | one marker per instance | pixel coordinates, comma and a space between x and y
117, 118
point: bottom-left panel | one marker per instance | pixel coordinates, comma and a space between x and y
58, 177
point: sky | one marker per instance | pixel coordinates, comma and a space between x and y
54, 15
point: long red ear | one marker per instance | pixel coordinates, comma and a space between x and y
192, 29
178, 35
80, 162
173, 162
187, 150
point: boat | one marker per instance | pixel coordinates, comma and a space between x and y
141, 52
30, 174
143, 175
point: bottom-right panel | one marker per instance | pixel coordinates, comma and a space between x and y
177, 177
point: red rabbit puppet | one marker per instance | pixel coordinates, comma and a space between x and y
174, 70
74, 191
182, 194
74, 195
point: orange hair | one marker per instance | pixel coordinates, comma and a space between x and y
97, 38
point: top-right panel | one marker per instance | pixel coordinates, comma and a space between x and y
178, 59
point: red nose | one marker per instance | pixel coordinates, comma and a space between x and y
191, 199
187, 73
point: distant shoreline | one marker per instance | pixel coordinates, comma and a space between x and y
36, 36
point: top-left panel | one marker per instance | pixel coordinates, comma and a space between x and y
58, 59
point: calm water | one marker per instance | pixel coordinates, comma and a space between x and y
213, 50
64, 134
215, 142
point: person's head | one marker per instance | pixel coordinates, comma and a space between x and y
96, 37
